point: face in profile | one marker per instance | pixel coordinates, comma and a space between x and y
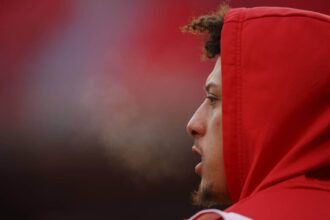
205, 126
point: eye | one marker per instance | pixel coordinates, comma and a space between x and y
212, 99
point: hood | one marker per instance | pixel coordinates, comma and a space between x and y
276, 95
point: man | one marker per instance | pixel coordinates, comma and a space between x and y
263, 131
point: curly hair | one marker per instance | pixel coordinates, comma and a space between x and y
212, 24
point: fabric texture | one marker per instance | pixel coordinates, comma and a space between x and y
276, 112
214, 214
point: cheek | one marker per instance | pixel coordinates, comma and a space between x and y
216, 121
213, 144
216, 131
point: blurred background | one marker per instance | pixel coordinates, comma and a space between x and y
94, 99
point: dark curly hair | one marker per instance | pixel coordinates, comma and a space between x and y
212, 24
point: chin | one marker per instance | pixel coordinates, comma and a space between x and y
207, 196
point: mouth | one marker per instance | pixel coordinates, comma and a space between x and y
198, 167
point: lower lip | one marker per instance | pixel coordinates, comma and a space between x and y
198, 168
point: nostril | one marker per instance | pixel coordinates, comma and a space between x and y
195, 129
193, 132
190, 130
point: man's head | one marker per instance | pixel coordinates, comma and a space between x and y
268, 143
205, 126
206, 129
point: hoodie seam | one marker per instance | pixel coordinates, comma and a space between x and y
315, 16
292, 15
239, 97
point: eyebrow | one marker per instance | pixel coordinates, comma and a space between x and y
209, 85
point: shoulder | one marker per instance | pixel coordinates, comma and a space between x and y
292, 201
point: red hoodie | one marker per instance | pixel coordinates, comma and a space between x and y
276, 112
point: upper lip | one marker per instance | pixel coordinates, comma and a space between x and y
196, 150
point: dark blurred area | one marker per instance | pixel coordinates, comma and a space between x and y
94, 99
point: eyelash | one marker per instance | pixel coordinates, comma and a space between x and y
212, 99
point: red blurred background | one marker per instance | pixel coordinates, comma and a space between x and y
94, 98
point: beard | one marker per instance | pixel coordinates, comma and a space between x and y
206, 196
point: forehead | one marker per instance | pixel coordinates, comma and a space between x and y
215, 75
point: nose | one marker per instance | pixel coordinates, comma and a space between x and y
197, 124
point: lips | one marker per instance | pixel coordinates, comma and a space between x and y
198, 167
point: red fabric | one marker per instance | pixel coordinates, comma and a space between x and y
276, 112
